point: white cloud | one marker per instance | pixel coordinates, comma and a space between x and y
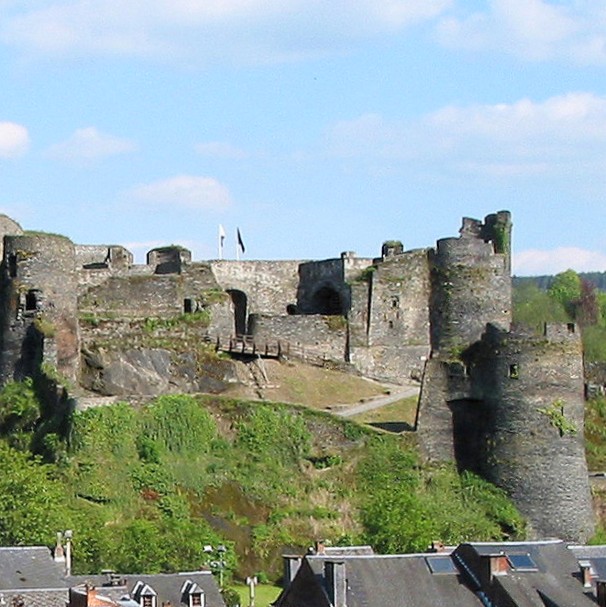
534, 30
533, 262
190, 191
252, 31
14, 140
89, 144
522, 138
220, 149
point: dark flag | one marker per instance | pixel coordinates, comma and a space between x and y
240, 241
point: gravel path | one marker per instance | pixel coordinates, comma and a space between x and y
400, 393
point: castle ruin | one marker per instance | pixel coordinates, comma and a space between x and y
495, 400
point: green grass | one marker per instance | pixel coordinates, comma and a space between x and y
401, 411
183, 472
265, 594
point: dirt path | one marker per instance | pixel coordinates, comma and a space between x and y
375, 403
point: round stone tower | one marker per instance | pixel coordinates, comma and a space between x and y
534, 394
471, 283
39, 305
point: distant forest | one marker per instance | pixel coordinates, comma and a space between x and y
544, 282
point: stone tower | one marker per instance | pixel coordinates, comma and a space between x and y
470, 283
39, 305
532, 390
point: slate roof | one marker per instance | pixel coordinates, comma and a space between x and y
29, 567
30, 576
555, 578
168, 586
381, 581
516, 574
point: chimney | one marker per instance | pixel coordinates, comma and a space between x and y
499, 564
336, 582
601, 593
585, 571
320, 547
437, 546
59, 553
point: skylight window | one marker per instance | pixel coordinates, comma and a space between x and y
441, 564
522, 562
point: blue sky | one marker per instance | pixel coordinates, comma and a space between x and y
314, 126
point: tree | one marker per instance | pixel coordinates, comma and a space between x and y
566, 289
587, 308
32, 506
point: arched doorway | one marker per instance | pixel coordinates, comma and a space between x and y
240, 303
327, 301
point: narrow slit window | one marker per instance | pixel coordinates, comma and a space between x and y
514, 371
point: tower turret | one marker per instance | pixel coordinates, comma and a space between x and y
533, 395
39, 305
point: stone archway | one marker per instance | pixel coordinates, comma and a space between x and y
327, 300
240, 305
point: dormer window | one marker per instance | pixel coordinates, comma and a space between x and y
192, 595
145, 595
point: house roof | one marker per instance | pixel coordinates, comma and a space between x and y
521, 574
29, 567
403, 580
30, 575
537, 572
167, 586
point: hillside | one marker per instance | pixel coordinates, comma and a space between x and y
145, 488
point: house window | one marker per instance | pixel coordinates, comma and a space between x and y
147, 601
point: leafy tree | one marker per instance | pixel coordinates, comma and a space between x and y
587, 308
566, 290
19, 412
407, 507
32, 504
533, 307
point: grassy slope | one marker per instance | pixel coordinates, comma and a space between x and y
145, 489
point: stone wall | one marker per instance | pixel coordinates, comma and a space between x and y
399, 301
322, 288
396, 364
312, 335
270, 286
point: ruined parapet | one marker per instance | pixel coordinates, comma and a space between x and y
533, 389
8, 227
101, 257
471, 283
39, 287
322, 288
168, 260
389, 317
391, 248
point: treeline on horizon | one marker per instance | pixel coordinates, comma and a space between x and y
544, 282
565, 297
